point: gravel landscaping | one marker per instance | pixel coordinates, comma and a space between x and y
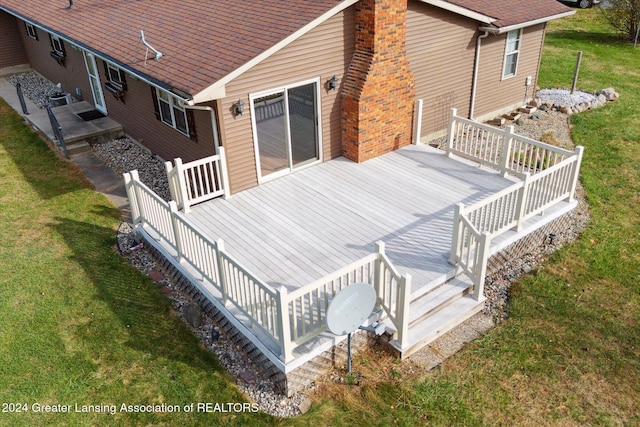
123, 155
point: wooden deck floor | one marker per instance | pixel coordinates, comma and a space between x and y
299, 228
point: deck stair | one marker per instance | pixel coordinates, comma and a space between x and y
442, 308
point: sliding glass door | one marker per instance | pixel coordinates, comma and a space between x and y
286, 129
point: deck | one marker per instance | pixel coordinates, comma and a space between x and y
299, 228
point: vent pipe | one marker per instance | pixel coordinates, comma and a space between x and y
148, 46
70, 5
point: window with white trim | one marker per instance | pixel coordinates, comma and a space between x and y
511, 53
31, 31
57, 44
114, 74
171, 112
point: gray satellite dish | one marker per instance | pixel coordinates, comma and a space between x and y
348, 310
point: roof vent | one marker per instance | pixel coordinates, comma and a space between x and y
158, 54
70, 5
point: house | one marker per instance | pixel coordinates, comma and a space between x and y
184, 77
285, 88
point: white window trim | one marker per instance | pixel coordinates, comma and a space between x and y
288, 170
57, 44
173, 105
112, 67
513, 52
32, 31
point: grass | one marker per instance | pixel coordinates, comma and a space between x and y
78, 325
569, 354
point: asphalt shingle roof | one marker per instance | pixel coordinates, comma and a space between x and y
205, 40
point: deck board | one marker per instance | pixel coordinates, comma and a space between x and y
301, 227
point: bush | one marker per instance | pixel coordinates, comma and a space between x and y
624, 16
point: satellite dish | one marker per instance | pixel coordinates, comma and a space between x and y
350, 308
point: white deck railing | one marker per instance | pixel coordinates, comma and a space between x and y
289, 319
198, 181
501, 149
548, 175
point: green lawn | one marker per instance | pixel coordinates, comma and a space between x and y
570, 352
78, 325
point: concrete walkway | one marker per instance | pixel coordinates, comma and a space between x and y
101, 176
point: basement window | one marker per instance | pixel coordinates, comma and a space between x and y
31, 31
511, 53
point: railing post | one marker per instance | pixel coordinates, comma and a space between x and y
403, 301
576, 172
417, 130
223, 172
458, 211
284, 328
522, 201
133, 201
21, 98
222, 274
482, 259
452, 129
378, 279
182, 185
135, 178
505, 152
175, 192
173, 208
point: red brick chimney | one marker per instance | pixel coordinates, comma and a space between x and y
378, 91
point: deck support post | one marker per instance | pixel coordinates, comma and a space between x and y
505, 152
378, 278
522, 201
576, 172
454, 254
224, 176
452, 130
173, 208
404, 300
224, 287
482, 259
284, 328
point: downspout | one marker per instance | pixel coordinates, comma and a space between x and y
214, 123
476, 67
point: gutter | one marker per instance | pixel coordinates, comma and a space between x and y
476, 67
502, 30
214, 123
152, 82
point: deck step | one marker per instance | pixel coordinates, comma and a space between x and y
431, 303
78, 147
441, 322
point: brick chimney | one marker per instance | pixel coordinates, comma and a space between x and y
378, 91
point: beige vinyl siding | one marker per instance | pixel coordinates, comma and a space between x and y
496, 93
323, 52
12, 51
441, 48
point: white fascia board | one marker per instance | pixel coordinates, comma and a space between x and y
217, 90
502, 30
460, 11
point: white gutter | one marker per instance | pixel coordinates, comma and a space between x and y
485, 19
502, 30
476, 67
94, 52
214, 122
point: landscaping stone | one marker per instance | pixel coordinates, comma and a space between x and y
610, 93
193, 314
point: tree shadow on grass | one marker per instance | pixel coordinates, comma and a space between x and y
144, 313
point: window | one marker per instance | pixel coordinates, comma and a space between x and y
171, 112
31, 31
511, 53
